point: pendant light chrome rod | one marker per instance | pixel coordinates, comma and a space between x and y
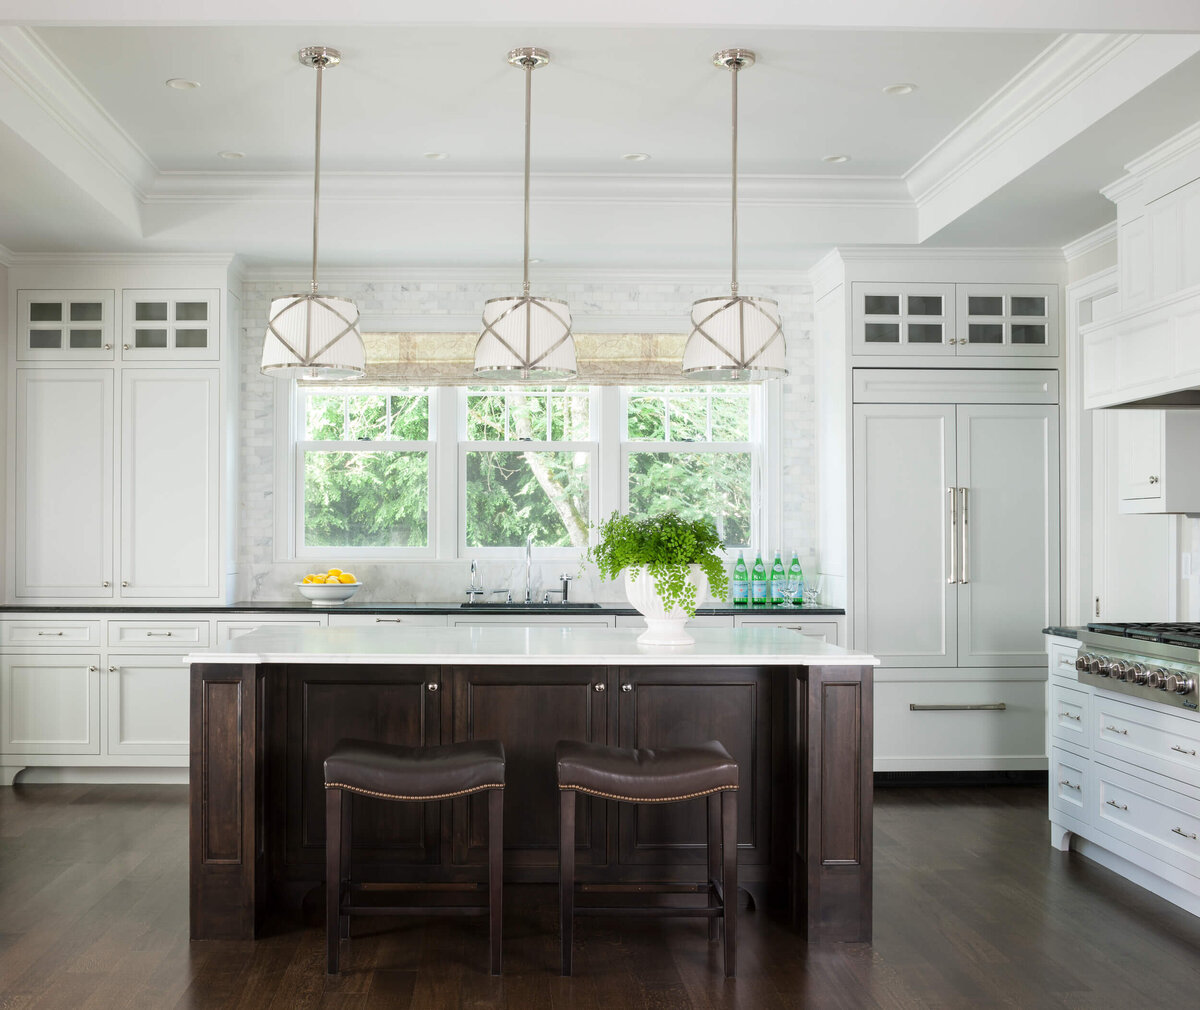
734, 67
320, 67
529, 64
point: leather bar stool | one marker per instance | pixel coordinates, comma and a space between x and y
415, 775
653, 776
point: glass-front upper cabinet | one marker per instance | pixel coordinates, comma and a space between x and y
908, 319
65, 325
1006, 319
164, 325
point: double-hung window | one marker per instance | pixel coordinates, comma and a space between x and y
363, 465
527, 460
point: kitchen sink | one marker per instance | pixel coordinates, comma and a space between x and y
572, 605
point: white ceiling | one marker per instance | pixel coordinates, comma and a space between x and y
1006, 142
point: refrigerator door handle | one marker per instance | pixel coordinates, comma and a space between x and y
952, 577
965, 560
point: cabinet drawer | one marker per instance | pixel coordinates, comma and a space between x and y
50, 634
699, 621
533, 621
1069, 783
1157, 741
1069, 710
972, 725
157, 633
227, 631
1062, 659
825, 630
1159, 821
387, 620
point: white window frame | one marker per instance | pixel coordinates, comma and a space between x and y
590, 446
299, 446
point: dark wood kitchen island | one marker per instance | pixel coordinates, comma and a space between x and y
795, 713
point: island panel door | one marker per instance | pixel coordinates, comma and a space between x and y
379, 703
529, 709
678, 706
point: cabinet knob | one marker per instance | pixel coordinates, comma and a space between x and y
124, 583
105, 583
627, 688
93, 669
112, 669
431, 687
108, 347
599, 688
1153, 479
125, 347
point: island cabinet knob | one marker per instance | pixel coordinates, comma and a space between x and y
600, 688
627, 688
431, 686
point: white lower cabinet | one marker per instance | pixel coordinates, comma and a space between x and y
147, 706
50, 704
699, 621
539, 620
387, 620
227, 631
827, 629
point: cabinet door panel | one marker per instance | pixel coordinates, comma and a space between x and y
64, 467
383, 704
148, 698
1008, 466
170, 472
904, 462
529, 711
49, 705
1140, 454
677, 707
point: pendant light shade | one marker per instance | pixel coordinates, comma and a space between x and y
526, 336
735, 338
314, 335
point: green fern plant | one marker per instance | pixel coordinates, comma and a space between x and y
664, 544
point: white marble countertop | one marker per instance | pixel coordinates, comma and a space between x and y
502, 645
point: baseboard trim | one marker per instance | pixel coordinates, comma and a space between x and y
43, 775
1021, 777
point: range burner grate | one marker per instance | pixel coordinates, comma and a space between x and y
1169, 633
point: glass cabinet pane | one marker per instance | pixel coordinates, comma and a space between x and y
985, 305
191, 338
924, 333
1028, 333
985, 333
85, 339
1024, 306
883, 333
150, 312
45, 339
149, 338
924, 305
86, 312
882, 305
191, 311
45, 312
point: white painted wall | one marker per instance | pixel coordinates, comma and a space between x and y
611, 304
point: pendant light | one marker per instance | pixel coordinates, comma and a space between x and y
526, 335
735, 338
312, 335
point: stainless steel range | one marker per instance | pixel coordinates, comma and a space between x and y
1154, 662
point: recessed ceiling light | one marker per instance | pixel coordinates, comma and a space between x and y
436, 155
636, 157
231, 155
182, 84
535, 260
836, 159
899, 89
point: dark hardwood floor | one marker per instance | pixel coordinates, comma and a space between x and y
972, 909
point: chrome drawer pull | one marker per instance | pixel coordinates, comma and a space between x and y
1186, 834
152, 633
1067, 715
995, 706
1114, 803
1113, 729
52, 634
389, 620
1070, 785
1183, 750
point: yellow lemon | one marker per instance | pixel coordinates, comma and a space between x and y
346, 577
307, 578
334, 571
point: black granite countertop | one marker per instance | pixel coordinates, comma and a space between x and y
302, 606
1062, 632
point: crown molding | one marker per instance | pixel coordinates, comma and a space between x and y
138, 259
926, 253
505, 187
1170, 150
827, 273
1092, 240
7, 256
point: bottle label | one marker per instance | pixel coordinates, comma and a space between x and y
777, 591
760, 591
741, 590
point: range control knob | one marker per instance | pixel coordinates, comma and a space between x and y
1097, 666
1117, 669
1137, 674
1081, 661
1157, 678
1180, 683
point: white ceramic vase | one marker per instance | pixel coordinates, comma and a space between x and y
663, 626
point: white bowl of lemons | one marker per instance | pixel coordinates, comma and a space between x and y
328, 589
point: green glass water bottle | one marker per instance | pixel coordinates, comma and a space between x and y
796, 575
778, 578
741, 581
758, 583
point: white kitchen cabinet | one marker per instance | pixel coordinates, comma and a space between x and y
147, 704
227, 631
164, 325
1157, 452
170, 476
50, 704
63, 522
995, 319
955, 532
65, 325
903, 319
827, 629
387, 620
565, 621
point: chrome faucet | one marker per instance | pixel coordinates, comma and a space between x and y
476, 586
529, 569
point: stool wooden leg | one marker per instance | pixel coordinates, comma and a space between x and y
566, 874
346, 847
714, 857
729, 878
496, 874
333, 877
